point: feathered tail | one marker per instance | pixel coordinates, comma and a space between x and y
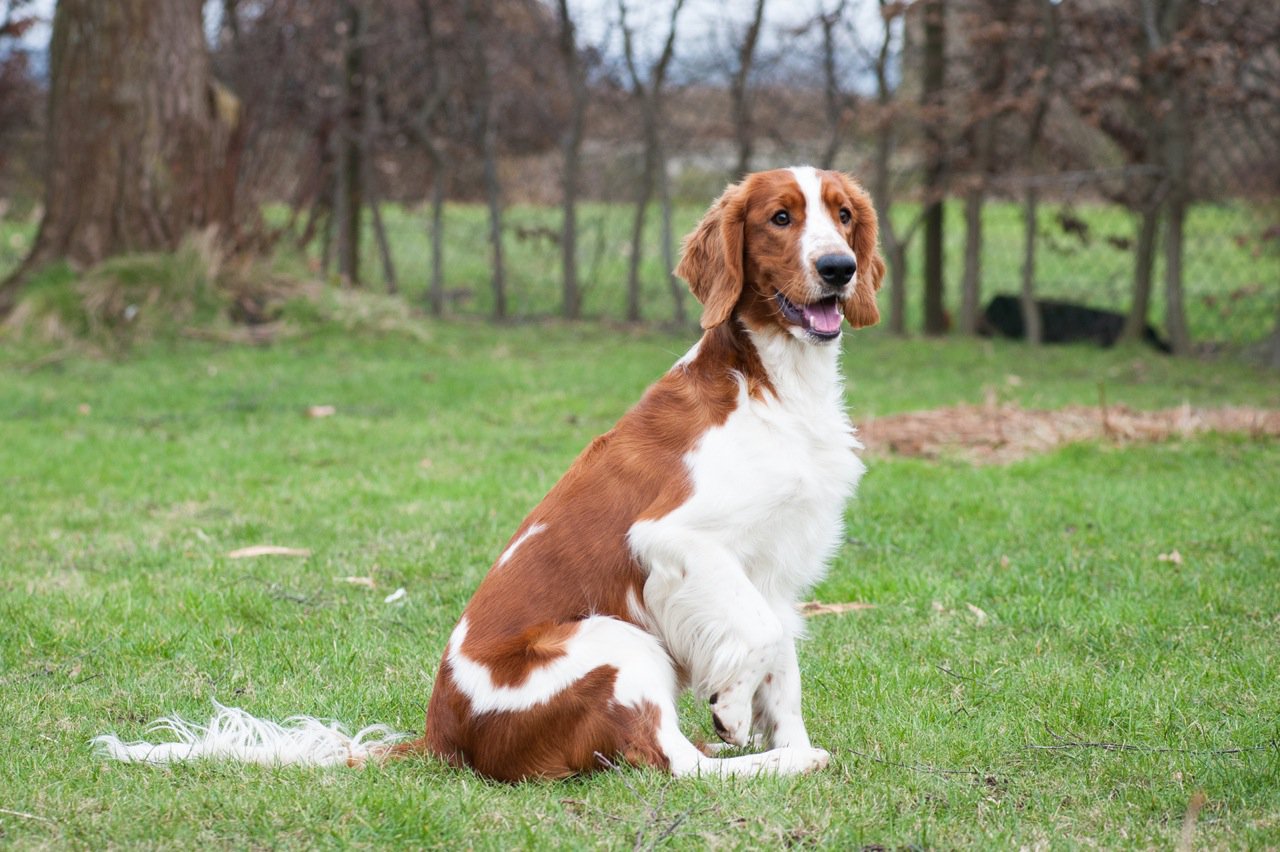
232, 734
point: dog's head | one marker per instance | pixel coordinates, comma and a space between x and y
794, 248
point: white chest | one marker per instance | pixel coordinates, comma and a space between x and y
771, 484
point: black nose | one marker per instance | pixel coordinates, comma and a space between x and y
836, 269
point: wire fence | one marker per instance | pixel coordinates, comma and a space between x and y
289, 64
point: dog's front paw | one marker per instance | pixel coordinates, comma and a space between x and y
731, 715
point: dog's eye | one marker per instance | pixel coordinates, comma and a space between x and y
782, 218
845, 215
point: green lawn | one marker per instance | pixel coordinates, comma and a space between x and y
125, 484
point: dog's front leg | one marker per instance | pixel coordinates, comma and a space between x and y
777, 703
714, 622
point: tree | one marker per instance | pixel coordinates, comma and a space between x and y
739, 93
931, 97
989, 47
142, 141
835, 100
889, 115
571, 148
349, 191
422, 127
484, 134
647, 91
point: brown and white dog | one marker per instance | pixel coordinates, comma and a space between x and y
673, 552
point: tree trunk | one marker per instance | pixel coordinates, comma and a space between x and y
895, 246
141, 146
369, 175
833, 93
571, 146
1144, 261
1177, 147
1030, 311
1175, 318
738, 92
897, 287
350, 195
436, 287
971, 286
485, 135
644, 193
935, 320
434, 104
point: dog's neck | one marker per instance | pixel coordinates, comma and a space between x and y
799, 370
774, 363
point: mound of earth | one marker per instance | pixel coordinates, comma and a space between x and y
996, 434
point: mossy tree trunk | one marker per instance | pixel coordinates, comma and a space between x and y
141, 140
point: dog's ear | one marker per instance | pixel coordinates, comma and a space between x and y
711, 260
860, 308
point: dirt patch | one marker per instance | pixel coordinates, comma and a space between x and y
997, 434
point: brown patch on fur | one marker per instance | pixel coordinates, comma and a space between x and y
556, 739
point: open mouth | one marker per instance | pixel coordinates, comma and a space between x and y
820, 319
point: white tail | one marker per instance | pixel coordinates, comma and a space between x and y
233, 734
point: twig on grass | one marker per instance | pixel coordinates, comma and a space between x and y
67, 666
1065, 744
653, 814
917, 767
26, 815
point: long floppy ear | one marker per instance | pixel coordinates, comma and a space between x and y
860, 308
711, 260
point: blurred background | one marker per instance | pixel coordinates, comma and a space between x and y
521, 160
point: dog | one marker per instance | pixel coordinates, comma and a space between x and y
673, 552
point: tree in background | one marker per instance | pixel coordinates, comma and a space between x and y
142, 142
890, 118
932, 102
739, 91
20, 96
571, 146
648, 91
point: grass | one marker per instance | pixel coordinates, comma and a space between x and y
125, 484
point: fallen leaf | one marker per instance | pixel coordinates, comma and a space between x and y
1004, 562
321, 411
1172, 556
812, 608
398, 594
84, 408
267, 550
426, 464
938, 607
978, 614
367, 582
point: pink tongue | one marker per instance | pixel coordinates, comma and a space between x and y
823, 316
